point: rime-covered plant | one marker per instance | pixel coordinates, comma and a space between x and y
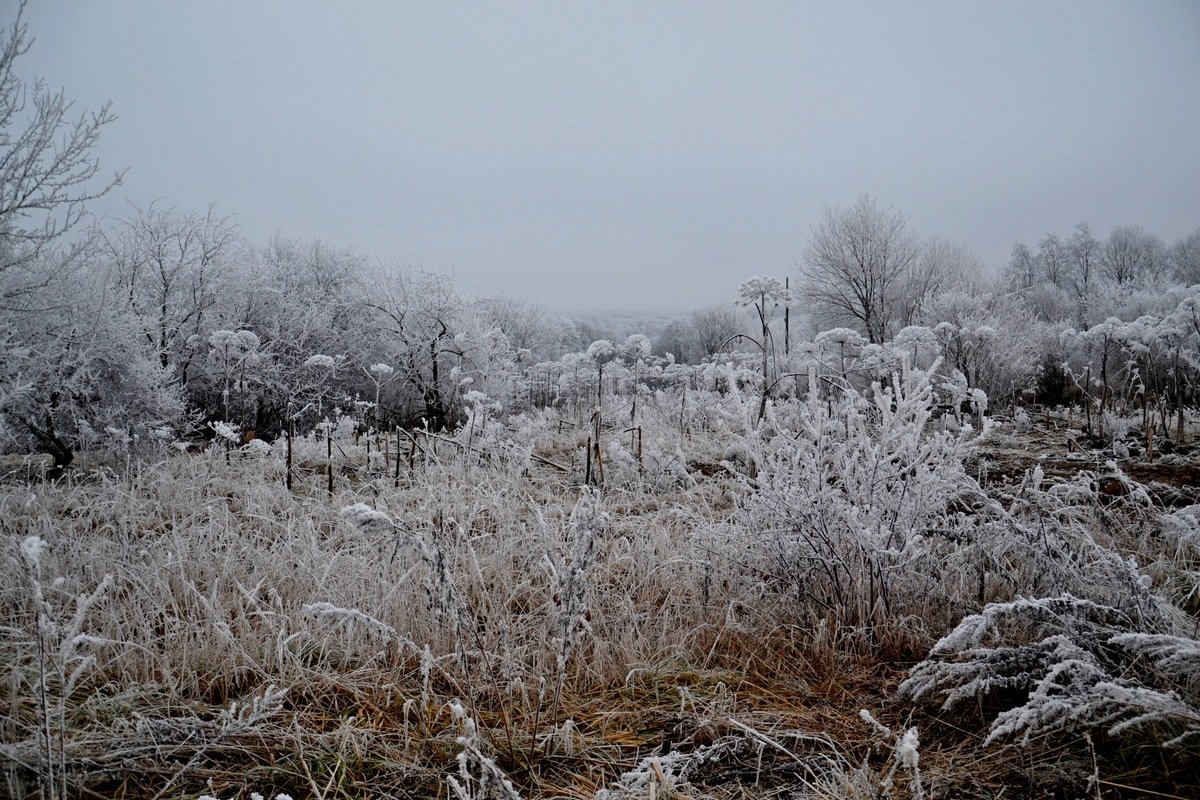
237, 351
479, 777
226, 432
62, 657
906, 754
320, 361
600, 353
765, 296
845, 344
568, 571
350, 616
856, 506
367, 519
1072, 665
379, 374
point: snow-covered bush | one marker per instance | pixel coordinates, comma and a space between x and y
1063, 664
859, 511
867, 512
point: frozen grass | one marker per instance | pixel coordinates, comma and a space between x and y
710, 623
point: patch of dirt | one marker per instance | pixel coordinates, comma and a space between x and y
1172, 477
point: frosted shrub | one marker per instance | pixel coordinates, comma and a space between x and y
367, 519
484, 435
620, 465
1062, 536
1115, 427
867, 513
1064, 664
257, 448
666, 465
1181, 529
862, 500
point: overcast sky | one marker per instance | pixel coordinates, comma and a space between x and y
636, 155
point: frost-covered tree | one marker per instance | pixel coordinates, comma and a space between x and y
77, 376
855, 265
170, 269
423, 334
713, 326
48, 173
699, 335
1084, 252
528, 329
1054, 260
1184, 259
990, 337
1022, 270
300, 298
72, 373
941, 265
1131, 254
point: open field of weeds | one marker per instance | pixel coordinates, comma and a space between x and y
832, 604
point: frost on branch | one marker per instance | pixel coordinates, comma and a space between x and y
1065, 665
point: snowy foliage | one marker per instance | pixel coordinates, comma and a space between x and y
861, 508
320, 361
759, 291
366, 518
1066, 664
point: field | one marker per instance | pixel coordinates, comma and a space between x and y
850, 599
908, 514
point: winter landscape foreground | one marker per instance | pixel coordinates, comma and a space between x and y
663, 589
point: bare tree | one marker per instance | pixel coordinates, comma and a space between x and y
46, 174
1130, 254
1185, 259
169, 268
713, 326
1084, 250
855, 264
942, 264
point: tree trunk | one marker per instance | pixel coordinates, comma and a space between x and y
52, 444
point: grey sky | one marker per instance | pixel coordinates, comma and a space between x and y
637, 155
